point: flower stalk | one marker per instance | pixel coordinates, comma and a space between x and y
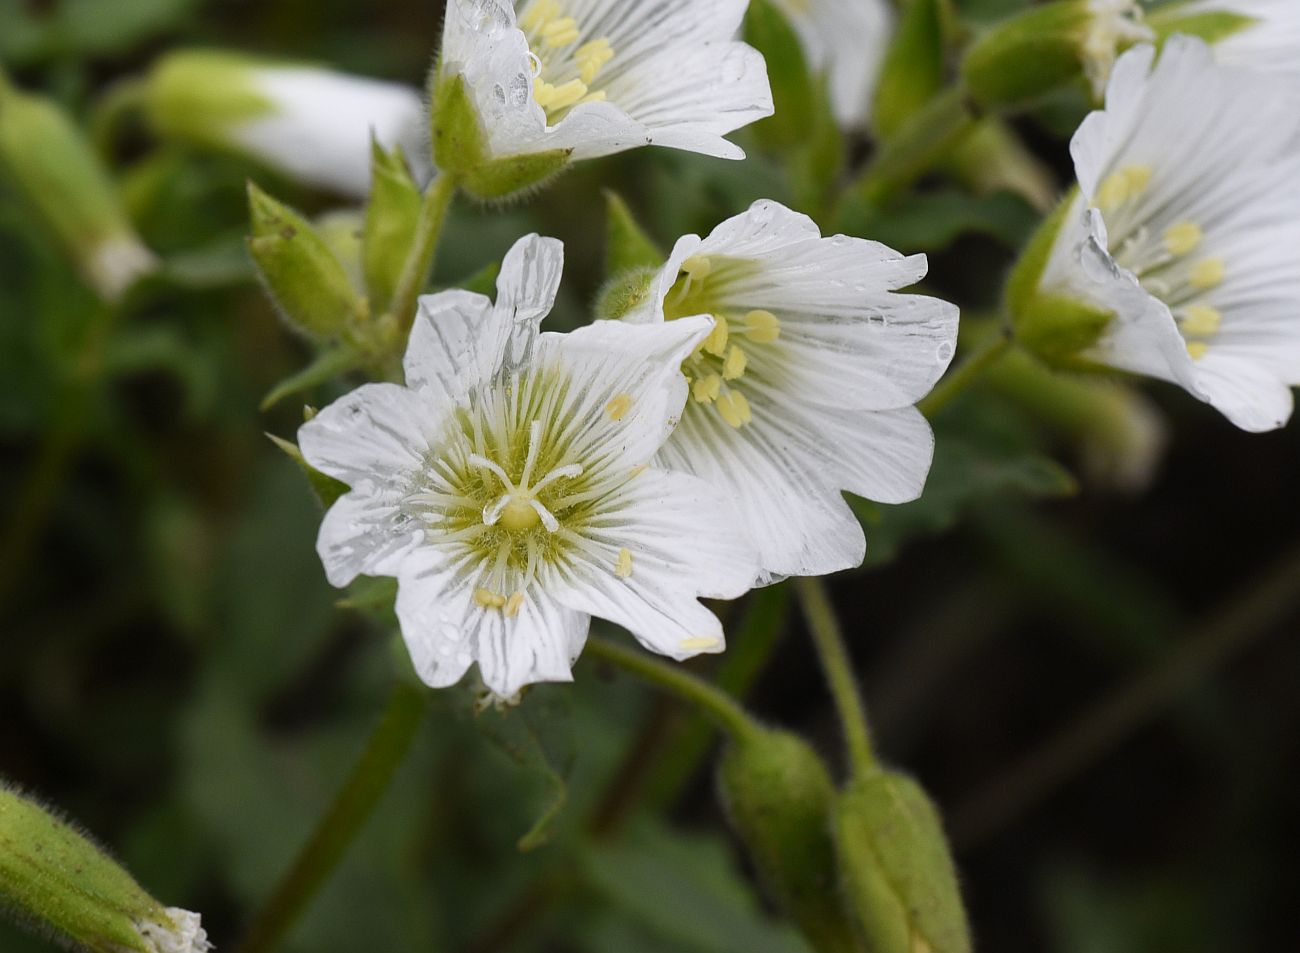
433, 216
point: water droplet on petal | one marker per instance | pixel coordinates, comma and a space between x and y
499, 94
943, 353
521, 91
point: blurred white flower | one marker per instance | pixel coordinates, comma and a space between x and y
1268, 40
807, 383
1115, 24
313, 125
1187, 229
601, 76
508, 487
847, 40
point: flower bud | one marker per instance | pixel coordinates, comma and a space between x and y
55, 878
779, 797
624, 292
460, 148
52, 168
392, 218
898, 877
303, 276
1049, 46
626, 243
313, 125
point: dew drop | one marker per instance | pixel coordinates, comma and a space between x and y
943, 353
521, 91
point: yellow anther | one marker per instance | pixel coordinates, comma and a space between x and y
519, 515
734, 409
554, 98
1197, 349
514, 604
1183, 238
698, 267
1123, 186
592, 57
623, 568
539, 14
1207, 273
599, 96
561, 32
733, 368
716, 342
762, 327
706, 389
700, 643
618, 407
487, 599
1200, 320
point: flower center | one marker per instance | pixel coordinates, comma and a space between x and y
1166, 262
565, 64
719, 363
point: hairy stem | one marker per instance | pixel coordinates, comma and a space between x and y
371, 775
834, 656
433, 215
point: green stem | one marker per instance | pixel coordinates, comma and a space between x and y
968, 372
433, 215
922, 142
371, 775
725, 712
834, 655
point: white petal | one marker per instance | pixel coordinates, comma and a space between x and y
446, 631
1244, 392
320, 129
1271, 43
365, 533
461, 339
374, 435
684, 543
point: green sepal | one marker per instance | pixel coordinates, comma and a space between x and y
624, 292
626, 243
302, 274
392, 218
1028, 56
326, 488
779, 797
460, 148
327, 365
914, 66
993, 159
897, 873
1211, 26
1053, 326
54, 877
53, 170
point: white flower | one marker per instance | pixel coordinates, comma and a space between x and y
319, 124
508, 488
601, 76
1271, 42
1187, 229
184, 934
314, 125
806, 385
847, 39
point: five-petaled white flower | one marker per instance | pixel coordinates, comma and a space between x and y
807, 383
1187, 228
1268, 37
847, 40
510, 487
600, 76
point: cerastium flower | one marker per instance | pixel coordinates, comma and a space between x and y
1181, 248
510, 487
577, 79
806, 384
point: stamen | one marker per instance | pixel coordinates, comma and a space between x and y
514, 604
572, 471
716, 342
623, 568
555, 98
534, 447
561, 32
487, 599
762, 327
734, 366
1183, 238
483, 463
1200, 320
548, 518
1123, 186
1207, 273
734, 409
592, 57
706, 389
1197, 349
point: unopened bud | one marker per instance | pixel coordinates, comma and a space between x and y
460, 148
780, 799
55, 879
899, 880
626, 243
392, 219
1031, 54
303, 275
313, 125
625, 293
51, 166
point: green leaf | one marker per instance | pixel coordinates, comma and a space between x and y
794, 89
328, 365
327, 489
627, 245
913, 70
931, 221
686, 890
